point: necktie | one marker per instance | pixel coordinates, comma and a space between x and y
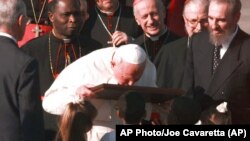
216, 57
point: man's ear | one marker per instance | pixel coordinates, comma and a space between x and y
137, 21
51, 17
237, 17
112, 63
20, 20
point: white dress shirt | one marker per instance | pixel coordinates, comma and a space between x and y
226, 45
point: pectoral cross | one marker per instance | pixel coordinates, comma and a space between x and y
37, 30
111, 43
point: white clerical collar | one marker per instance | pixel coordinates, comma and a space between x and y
155, 38
8, 35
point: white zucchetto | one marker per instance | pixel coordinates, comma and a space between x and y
131, 53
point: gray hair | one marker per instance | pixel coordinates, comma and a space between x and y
234, 5
159, 4
200, 3
10, 10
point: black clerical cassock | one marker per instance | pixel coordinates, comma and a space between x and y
65, 52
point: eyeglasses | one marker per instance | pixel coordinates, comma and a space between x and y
194, 22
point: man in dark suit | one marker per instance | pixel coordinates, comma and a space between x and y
170, 61
219, 60
20, 105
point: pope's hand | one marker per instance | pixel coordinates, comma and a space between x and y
84, 92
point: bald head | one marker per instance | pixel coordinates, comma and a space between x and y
195, 15
131, 107
195, 5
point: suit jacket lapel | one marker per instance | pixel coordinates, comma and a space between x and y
208, 57
229, 63
203, 59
